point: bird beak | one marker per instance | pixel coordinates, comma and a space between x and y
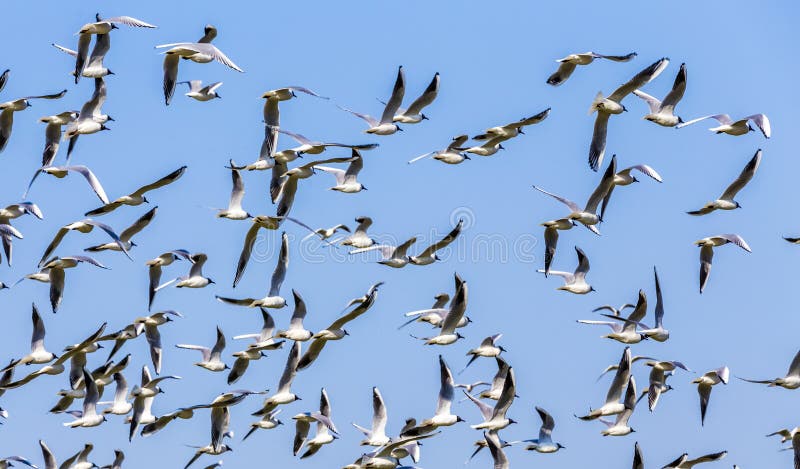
111, 73
521, 132
111, 118
399, 128
424, 117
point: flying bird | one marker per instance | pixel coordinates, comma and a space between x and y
704, 385
575, 282
707, 246
736, 127
663, 112
386, 125
726, 200
137, 197
568, 64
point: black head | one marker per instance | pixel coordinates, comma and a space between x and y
211, 281
424, 117
750, 127
219, 96
466, 157
103, 127
133, 244
144, 199
559, 445
459, 419
592, 289
293, 95
99, 346
738, 205
227, 367
459, 336
114, 26
500, 146
624, 109
501, 348
298, 398
363, 187
680, 121
28, 104
109, 72
399, 128
635, 180
520, 131
436, 257
345, 332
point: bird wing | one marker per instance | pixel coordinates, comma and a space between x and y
721, 118
744, 177
280, 269
563, 72
605, 185
444, 242
138, 225
171, 62
652, 102
168, 179
640, 79
620, 377
762, 122
290, 370
397, 98
572, 205
676, 93
426, 98
598, 146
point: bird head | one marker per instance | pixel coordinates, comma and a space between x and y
459, 336
436, 257
400, 129
501, 147
501, 348
424, 117
109, 72
738, 205
110, 118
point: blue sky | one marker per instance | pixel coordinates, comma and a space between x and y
493, 63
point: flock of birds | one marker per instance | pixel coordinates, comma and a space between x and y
446, 315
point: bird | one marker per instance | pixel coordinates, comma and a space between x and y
336, 331
199, 52
443, 417
624, 178
284, 181
567, 64
447, 334
296, 331
79, 460
62, 171
386, 125
346, 179
428, 255
100, 28
212, 357
94, 68
8, 108
6, 462
311, 147
7, 233
39, 355
620, 426
376, 434
663, 112
52, 134
82, 226
284, 394
575, 282
498, 381
496, 448
588, 216
392, 256
325, 431
119, 457
154, 270
90, 119
202, 93
551, 229
726, 200
267, 422
511, 130
657, 333
707, 246
413, 114
327, 233
89, 416
612, 406
273, 298
487, 348
151, 324
137, 197
359, 239
544, 444
704, 385
790, 381
126, 235
785, 434
56, 267
120, 405
658, 379
195, 279
628, 334
612, 104
487, 148
683, 461
436, 314
736, 127
494, 418
235, 210
451, 155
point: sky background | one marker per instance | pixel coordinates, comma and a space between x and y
493, 60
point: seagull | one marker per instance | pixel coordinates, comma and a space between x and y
200, 52
91, 119
154, 270
658, 379
39, 354
79, 460
448, 335
625, 178
272, 120
551, 229
663, 113
638, 459
544, 444
707, 246
588, 216
346, 179
151, 324
435, 315
267, 422
384, 456
386, 125
208, 449
141, 407
567, 64
6, 233
284, 395
785, 434
264, 339
726, 200
89, 416
494, 418
327, 233
359, 239
612, 405
325, 426
487, 148
6, 462
120, 405
429, 256
52, 134
393, 256
575, 282
101, 27
311, 147
496, 448
336, 331
119, 457
513, 129
202, 93
628, 333
657, 333
414, 115
605, 106
62, 171
8, 108
137, 197
212, 357
376, 435
683, 461
273, 298
195, 279
94, 68
127, 234
4, 78
790, 381
450, 155
498, 382
620, 427
56, 267
296, 331
234, 210
283, 183
443, 416
738, 127
487, 348
704, 384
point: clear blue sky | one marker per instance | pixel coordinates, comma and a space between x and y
493, 61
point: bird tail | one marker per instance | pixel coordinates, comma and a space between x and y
596, 102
